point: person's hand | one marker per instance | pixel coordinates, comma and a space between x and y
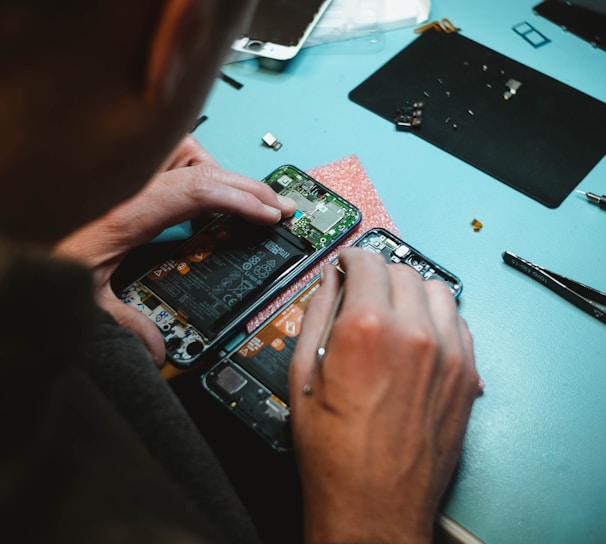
191, 183
379, 437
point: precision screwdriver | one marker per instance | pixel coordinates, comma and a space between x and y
599, 200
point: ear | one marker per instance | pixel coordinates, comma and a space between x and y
180, 31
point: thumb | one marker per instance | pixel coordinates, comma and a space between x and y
138, 323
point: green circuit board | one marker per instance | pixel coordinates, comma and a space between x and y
321, 215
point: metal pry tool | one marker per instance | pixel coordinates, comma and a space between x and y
321, 351
586, 298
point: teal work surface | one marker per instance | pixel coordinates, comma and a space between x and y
534, 463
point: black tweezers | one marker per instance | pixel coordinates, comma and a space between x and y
587, 299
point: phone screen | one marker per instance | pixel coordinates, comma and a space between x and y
279, 28
282, 21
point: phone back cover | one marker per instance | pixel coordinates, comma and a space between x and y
542, 141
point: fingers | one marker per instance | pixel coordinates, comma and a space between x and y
221, 190
207, 172
411, 299
367, 282
367, 306
380, 297
316, 317
391, 405
453, 331
429, 308
179, 195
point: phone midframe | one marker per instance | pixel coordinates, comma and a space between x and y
252, 380
397, 251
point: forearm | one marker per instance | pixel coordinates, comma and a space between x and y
349, 527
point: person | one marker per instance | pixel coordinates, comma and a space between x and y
96, 98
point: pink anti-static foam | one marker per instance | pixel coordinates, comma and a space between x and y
348, 179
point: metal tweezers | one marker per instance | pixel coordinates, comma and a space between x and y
586, 298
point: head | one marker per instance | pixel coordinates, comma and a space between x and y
93, 96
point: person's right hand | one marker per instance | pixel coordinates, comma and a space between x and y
379, 437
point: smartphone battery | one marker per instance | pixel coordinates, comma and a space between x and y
221, 270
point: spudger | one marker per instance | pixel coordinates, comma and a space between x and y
599, 200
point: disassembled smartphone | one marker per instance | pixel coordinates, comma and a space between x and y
279, 29
252, 379
203, 294
395, 250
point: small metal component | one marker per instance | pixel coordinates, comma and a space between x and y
512, 88
404, 123
408, 116
326, 217
271, 141
230, 381
401, 251
477, 225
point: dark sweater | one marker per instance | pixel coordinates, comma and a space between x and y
95, 447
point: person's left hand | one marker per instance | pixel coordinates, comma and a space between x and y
189, 183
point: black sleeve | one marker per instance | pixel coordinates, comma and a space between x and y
120, 366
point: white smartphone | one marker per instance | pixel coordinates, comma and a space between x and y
279, 28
